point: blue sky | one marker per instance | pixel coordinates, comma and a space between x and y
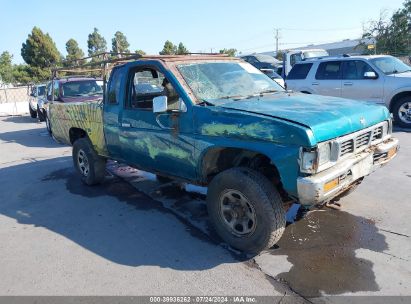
207, 25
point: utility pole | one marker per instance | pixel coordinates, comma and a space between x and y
277, 37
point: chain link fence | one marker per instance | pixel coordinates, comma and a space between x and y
17, 94
14, 101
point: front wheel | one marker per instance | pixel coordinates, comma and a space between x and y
88, 163
40, 114
48, 125
245, 209
33, 113
402, 112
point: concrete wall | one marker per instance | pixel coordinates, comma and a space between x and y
14, 94
14, 101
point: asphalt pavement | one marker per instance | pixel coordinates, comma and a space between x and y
134, 236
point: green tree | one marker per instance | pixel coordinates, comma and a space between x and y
181, 49
279, 56
229, 52
6, 67
39, 50
119, 43
96, 43
74, 52
169, 48
22, 75
392, 35
140, 52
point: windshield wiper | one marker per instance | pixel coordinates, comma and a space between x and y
233, 97
402, 71
205, 103
262, 93
267, 92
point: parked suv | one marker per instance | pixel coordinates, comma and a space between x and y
37, 92
380, 79
68, 90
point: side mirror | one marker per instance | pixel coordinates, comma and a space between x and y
160, 104
370, 75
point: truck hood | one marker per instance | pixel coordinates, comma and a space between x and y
327, 117
401, 75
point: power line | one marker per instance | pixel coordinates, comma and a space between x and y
321, 29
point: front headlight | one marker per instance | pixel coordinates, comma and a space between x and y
313, 158
308, 160
324, 153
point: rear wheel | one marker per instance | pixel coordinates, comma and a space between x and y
48, 125
40, 114
88, 163
33, 113
245, 209
402, 112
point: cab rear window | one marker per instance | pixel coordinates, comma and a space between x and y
300, 71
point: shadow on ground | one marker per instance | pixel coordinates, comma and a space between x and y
125, 226
24, 119
399, 129
112, 220
35, 138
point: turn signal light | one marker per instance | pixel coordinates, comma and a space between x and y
331, 184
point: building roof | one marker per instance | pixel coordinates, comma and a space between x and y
347, 46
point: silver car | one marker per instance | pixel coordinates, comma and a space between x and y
37, 92
380, 79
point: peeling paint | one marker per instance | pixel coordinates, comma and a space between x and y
254, 130
155, 149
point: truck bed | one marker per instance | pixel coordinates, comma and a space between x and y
87, 116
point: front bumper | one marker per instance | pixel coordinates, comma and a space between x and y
326, 185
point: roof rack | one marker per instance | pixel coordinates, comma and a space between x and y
103, 63
112, 58
326, 57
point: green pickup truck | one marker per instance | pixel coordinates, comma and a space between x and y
219, 122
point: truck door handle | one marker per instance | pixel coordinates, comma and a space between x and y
348, 83
126, 125
160, 124
315, 83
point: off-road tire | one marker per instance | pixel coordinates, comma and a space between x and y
40, 114
262, 195
395, 109
48, 125
97, 164
33, 114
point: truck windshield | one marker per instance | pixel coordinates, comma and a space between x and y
225, 80
81, 88
390, 65
40, 90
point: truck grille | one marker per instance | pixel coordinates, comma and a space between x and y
347, 147
377, 134
378, 157
361, 140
